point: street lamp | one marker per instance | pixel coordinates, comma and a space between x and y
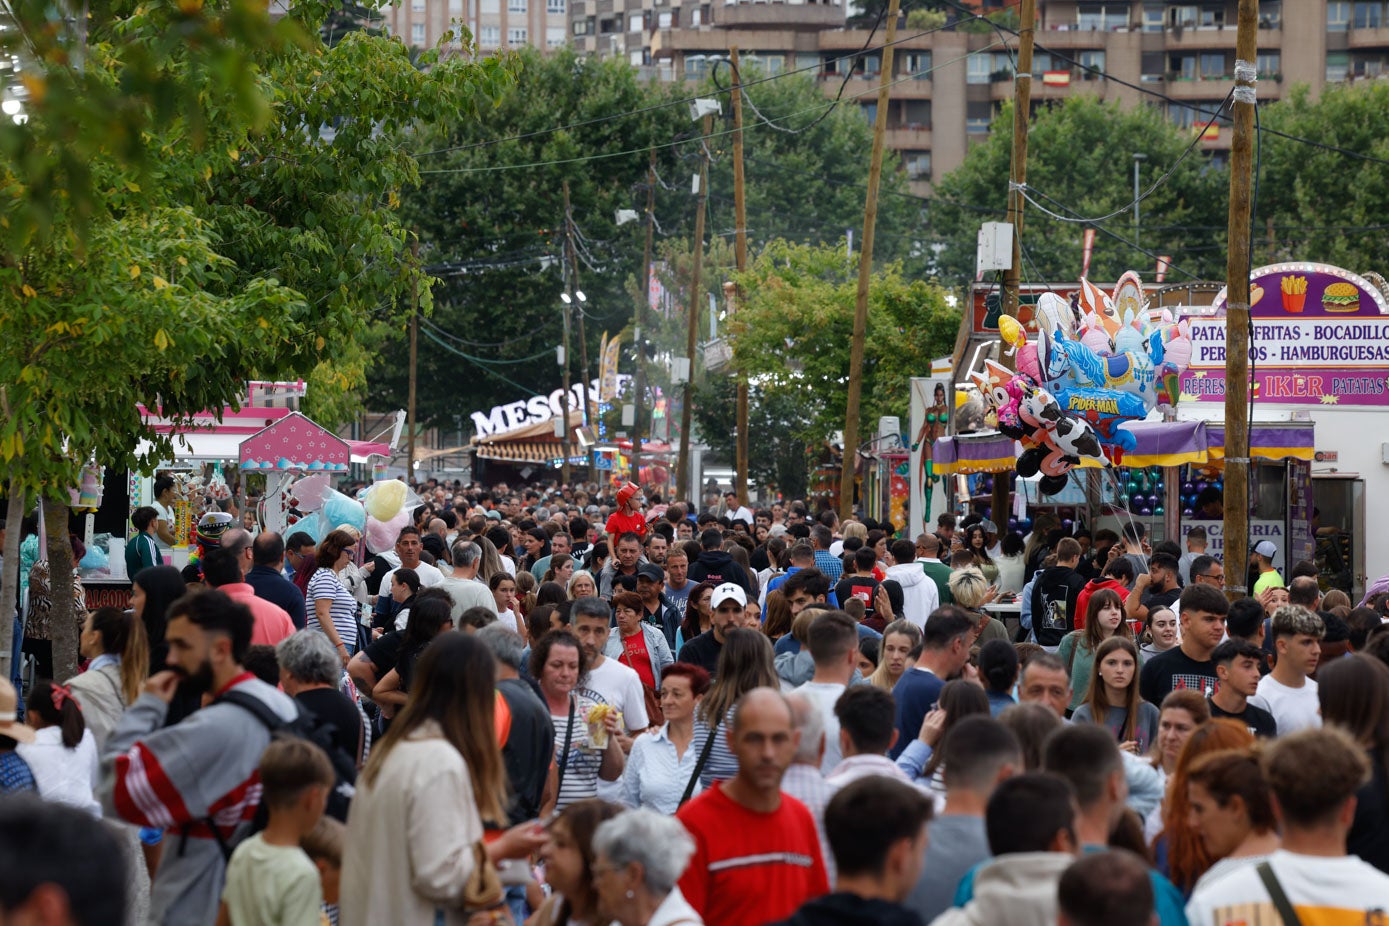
1138, 157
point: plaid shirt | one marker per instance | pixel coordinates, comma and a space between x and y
832, 567
15, 774
806, 784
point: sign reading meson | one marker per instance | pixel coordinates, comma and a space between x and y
537, 408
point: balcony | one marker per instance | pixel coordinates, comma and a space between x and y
1182, 38
908, 138
779, 15
1377, 37
1082, 81
1187, 88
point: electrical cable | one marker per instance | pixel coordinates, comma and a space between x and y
444, 333
485, 369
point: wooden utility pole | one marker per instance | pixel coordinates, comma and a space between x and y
1236, 526
638, 387
740, 254
865, 271
414, 356
682, 469
1022, 118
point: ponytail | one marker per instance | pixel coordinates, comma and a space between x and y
56, 706
124, 635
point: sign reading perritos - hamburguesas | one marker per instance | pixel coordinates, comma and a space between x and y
1320, 337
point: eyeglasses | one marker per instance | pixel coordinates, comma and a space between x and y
1213, 576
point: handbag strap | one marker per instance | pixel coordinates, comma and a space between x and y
564, 756
699, 763
1286, 913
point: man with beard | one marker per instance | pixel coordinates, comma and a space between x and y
196, 779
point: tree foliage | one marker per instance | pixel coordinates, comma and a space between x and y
1318, 204
791, 336
1079, 163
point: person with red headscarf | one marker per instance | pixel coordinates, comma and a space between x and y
628, 517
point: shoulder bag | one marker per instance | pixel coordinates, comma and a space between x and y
699, 763
1286, 913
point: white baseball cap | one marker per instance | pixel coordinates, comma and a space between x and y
1264, 548
726, 591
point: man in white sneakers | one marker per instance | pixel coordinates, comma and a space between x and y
1287, 693
1313, 775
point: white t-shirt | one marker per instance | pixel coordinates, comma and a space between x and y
825, 694
616, 685
167, 516
429, 575
1321, 890
1294, 708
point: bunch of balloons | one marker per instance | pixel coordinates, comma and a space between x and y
1095, 363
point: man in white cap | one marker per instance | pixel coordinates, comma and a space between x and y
1264, 552
728, 603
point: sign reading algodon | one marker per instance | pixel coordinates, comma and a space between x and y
1320, 335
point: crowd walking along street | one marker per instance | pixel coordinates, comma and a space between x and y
901, 462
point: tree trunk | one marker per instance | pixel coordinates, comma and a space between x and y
9, 579
63, 624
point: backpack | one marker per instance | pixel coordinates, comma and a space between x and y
308, 727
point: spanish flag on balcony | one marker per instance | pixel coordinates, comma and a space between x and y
1209, 131
1056, 78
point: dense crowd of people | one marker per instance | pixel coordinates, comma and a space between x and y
581, 707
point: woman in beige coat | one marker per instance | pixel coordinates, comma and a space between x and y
115, 643
425, 793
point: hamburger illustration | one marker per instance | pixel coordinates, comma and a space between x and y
1341, 298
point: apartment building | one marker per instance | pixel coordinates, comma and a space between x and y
948, 84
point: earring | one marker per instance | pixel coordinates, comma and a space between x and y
631, 894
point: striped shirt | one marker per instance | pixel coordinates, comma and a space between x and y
325, 585
581, 767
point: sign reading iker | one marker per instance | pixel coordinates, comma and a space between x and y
1320, 337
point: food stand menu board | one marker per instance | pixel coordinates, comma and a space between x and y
1320, 337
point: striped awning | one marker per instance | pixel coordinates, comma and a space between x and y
1283, 440
520, 451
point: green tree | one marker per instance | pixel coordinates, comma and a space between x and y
780, 459
1079, 163
791, 336
491, 219
1322, 205
236, 240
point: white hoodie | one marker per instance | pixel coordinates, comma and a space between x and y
919, 594
1018, 889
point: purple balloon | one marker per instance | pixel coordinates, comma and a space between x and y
1145, 512
1187, 512
1188, 488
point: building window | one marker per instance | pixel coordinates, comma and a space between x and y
516, 6
1213, 66
1337, 66
696, 17
583, 27
489, 36
1368, 15
918, 164
1102, 16
417, 33
1152, 17
491, 6
516, 36
1212, 18
1091, 60
1337, 15
696, 66
417, 6
916, 114
1269, 63
870, 112
663, 20
918, 64
978, 69
554, 36
635, 22
978, 115
1271, 14
1183, 67
455, 9
1183, 17
555, 6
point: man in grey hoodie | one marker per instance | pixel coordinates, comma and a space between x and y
1031, 825
196, 780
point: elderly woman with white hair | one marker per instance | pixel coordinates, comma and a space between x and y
310, 673
639, 857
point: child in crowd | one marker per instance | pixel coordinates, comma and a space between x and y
324, 845
270, 880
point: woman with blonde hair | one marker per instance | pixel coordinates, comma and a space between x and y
491, 562
582, 585
971, 591
900, 639
417, 819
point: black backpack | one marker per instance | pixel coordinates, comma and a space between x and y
308, 727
